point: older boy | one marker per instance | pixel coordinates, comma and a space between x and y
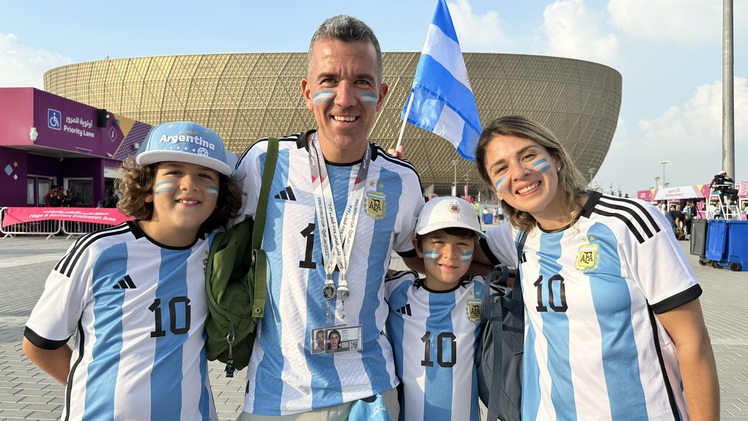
434, 321
134, 295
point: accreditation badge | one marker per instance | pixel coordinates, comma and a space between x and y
343, 338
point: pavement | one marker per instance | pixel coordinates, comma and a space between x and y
28, 393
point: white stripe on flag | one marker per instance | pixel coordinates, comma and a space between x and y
450, 126
447, 53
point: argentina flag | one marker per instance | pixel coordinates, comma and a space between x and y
441, 100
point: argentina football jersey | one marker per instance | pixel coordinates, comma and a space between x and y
594, 348
433, 335
136, 311
286, 374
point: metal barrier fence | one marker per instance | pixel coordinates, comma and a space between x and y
48, 227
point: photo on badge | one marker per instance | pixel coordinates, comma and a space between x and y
318, 341
343, 339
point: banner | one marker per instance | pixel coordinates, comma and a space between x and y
109, 216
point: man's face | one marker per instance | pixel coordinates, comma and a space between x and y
344, 92
320, 339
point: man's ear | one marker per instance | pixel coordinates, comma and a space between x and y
306, 90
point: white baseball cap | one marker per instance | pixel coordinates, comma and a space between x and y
448, 212
185, 141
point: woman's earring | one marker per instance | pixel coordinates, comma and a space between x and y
558, 169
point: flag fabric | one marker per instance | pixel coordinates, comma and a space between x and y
442, 101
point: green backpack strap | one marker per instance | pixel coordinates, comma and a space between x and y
259, 261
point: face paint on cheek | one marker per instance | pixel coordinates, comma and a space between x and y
498, 185
466, 257
211, 191
431, 255
164, 187
323, 96
538, 165
369, 99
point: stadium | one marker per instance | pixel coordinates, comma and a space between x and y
247, 96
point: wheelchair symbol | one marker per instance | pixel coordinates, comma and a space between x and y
54, 119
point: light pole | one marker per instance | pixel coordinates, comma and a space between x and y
664, 183
657, 182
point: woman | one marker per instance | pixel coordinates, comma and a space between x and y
613, 324
334, 339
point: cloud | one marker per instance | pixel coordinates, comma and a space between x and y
22, 66
698, 122
478, 33
689, 135
685, 22
575, 31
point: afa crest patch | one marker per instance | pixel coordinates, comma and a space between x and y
376, 204
588, 258
474, 309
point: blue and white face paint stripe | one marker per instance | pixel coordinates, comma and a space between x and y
165, 187
211, 191
369, 99
538, 165
466, 257
498, 184
324, 96
431, 255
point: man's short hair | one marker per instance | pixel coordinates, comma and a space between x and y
347, 29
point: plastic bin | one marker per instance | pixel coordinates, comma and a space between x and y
698, 237
727, 244
716, 239
488, 218
737, 245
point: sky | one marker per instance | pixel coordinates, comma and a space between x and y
669, 53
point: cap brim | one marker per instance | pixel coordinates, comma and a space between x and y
152, 157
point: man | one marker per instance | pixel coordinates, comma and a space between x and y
339, 206
677, 220
724, 185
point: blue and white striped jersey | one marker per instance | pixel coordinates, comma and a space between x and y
593, 346
284, 377
137, 310
433, 335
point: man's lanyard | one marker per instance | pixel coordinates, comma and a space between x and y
336, 240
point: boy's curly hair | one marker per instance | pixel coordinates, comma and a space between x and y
137, 183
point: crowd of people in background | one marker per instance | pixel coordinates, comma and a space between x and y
59, 197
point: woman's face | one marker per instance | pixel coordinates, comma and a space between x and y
525, 175
334, 340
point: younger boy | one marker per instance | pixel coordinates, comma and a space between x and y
134, 295
434, 321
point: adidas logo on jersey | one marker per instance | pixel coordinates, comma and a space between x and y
125, 283
286, 194
405, 310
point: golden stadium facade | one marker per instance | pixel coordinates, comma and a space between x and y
247, 96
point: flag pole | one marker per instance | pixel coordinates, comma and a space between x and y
405, 120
